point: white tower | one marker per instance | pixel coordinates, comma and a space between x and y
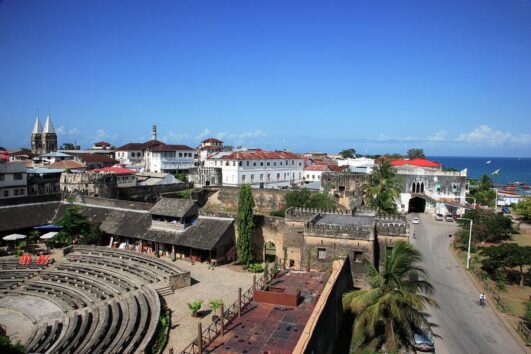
154, 132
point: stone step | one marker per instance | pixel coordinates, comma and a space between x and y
164, 291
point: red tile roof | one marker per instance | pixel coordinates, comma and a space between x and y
259, 155
102, 143
170, 147
322, 168
67, 164
415, 162
96, 158
116, 170
211, 140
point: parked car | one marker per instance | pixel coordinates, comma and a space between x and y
415, 220
439, 217
423, 342
449, 217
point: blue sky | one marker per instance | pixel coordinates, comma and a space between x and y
452, 77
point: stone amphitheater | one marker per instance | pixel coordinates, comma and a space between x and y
96, 300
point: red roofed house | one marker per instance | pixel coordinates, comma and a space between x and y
156, 156
93, 161
418, 162
209, 146
124, 176
101, 145
259, 168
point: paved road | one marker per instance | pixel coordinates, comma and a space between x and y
463, 325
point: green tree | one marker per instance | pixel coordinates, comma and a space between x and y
245, 220
483, 191
6, 347
488, 226
523, 208
303, 198
348, 153
506, 255
74, 225
382, 188
394, 308
415, 153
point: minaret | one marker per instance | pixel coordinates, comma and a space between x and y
36, 137
49, 138
154, 132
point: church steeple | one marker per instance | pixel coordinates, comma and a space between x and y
37, 128
48, 126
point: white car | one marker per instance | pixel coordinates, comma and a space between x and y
415, 220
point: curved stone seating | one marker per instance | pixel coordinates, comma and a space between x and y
94, 286
148, 261
120, 279
75, 298
55, 332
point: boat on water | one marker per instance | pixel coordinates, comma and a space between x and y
497, 172
488, 162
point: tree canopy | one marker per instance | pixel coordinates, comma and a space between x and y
483, 191
348, 153
508, 255
74, 225
523, 208
382, 188
415, 153
394, 308
245, 221
303, 198
488, 225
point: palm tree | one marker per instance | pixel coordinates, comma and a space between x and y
393, 309
382, 188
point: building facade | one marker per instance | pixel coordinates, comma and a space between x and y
207, 147
13, 180
259, 168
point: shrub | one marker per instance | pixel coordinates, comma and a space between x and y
195, 307
162, 339
279, 212
255, 268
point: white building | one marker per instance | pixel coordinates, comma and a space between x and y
156, 156
359, 164
259, 168
13, 179
312, 173
209, 146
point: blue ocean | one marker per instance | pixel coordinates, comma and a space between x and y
512, 169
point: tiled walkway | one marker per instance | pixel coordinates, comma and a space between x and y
222, 282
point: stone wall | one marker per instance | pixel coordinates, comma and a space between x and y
323, 328
102, 185
177, 281
265, 200
30, 199
205, 177
345, 185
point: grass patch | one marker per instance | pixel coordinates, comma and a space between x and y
522, 239
162, 331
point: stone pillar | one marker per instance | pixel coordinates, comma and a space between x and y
173, 253
200, 337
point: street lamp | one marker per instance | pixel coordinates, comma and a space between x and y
469, 241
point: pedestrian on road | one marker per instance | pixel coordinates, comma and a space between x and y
482, 299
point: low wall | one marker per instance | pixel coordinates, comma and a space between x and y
323, 326
150, 194
177, 281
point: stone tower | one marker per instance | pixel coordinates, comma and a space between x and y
154, 132
49, 138
36, 137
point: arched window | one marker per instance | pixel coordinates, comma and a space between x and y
422, 187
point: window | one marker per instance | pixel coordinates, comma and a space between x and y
247, 163
254, 163
252, 178
239, 163
268, 164
132, 154
17, 176
293, 162
2, 177
268, 177
280, 163
358, 256
6, 193
274, 163
233, 163
261, 177
321, 253
16, 191
180, 154
243, 178
22, 192
278, 176
261, 164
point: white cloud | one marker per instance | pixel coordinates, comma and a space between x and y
485, 135
173, 137
102, 134
204, 134
63, 131
438, 136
